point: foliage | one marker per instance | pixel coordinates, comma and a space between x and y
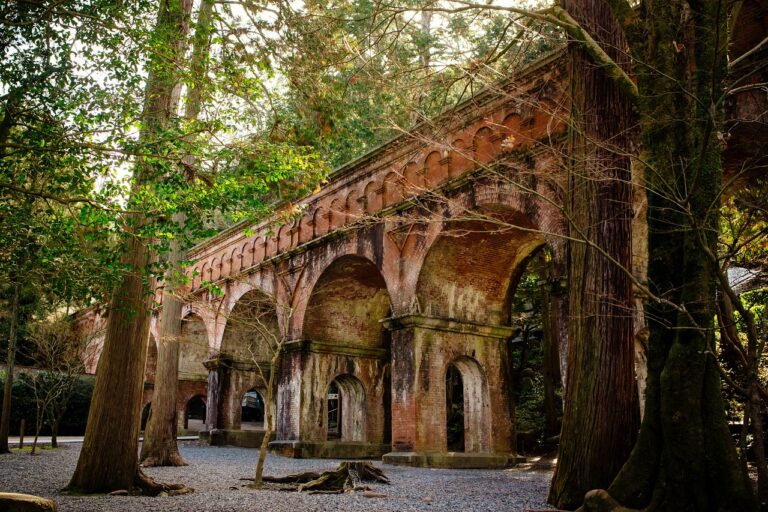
58, 353
71, 423
357, 73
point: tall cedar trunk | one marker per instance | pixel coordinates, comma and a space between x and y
109, 459
601, 413
684, 459
5, 422
160, 447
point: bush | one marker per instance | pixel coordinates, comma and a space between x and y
73, 420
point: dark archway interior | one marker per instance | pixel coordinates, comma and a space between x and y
145, 415
334, 412
194, 414
454, 404
346, 410
252, 411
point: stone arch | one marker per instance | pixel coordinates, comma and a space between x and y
193, 348
227, 262
372, 195
196, 278
434, 170
476, 404
252, 409
468, 269
243, 260
251, 328
271, 240
393, 189
337, 214
353, 206
305, 228
346, 304
259, 250
512, 132
284, 238
351, 409
194, 413
215, 269
320, 221
482, 144
205, 273
460, 153
413, 178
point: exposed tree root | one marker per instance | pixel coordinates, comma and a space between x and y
172, 459
348, 477
298, 478
147, 486
598, 500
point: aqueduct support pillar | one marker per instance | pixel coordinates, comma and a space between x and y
423, 348
361, 376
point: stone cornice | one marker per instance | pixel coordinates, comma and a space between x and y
447, 325
336, 348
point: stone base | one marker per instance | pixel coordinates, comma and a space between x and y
455, 460
243, 438
328, 449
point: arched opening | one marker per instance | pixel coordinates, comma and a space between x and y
334, 412
468, 271
346, 304
346, 410
454, 405
252, 331
252, 411
194, 414
251, 337
536, 302
467, 394
145, 413
387, 405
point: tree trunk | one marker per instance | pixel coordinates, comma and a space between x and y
5, 420
601, 412
160, 447
109, 459
684, 459
268, 413
55, 433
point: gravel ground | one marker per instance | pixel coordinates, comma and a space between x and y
214, 473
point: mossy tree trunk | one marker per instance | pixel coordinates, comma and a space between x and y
109, 457
601, 413
684, 459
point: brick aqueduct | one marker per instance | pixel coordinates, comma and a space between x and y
394, 271
402, 266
